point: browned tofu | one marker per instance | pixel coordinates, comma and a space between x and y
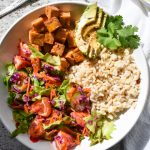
71, 39
49, 39
44, 17
36, 38
64, 64
46, 48
51, 11
61, 35
77, 55
39, 25
58, 49
65, 19
36, 47
74, 56
52, 24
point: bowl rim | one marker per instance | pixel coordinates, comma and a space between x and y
85, 4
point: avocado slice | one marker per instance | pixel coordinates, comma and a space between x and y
92, 19
94, 25
87, 17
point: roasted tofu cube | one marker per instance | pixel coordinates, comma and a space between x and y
74, 56
36, 38
58, 49
71, 39
52, 24
64, 64
46, 48
51, 11
49, 39
65, 19
61, 35
39, 25
45, 18
36, 47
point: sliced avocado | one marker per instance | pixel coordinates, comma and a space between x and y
104, 20
92, 19
87, 17
95, 25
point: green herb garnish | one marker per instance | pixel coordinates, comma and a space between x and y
115, 35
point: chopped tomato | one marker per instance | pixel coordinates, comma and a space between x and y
24, 50
42, 107
20, 62
50, 135
64, 141
36, 129
79, 116
55, 115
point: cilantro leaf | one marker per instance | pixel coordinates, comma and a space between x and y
128, 38
115, 35
117, 21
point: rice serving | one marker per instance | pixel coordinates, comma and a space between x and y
113, 79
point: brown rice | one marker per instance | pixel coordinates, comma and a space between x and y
113, 80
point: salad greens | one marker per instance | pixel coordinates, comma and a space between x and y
116, 35
100, 128
10, 70
11, 97
23, 120
54, 60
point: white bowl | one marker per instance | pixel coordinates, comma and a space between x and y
146, 2
8, 48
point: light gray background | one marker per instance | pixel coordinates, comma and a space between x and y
7, 143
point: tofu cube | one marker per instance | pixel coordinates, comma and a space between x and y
64, 64
52, 24
77, 55
49, 39
51, 11
65, 19
71, 39
38, 25
74, 56
36, 38
61, 35
58, 49
46, 48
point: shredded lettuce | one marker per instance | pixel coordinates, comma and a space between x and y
53, 60
100, 128
11, 98
63, 88
23, 121
40, 89
107, 129
10, 69
58, 123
